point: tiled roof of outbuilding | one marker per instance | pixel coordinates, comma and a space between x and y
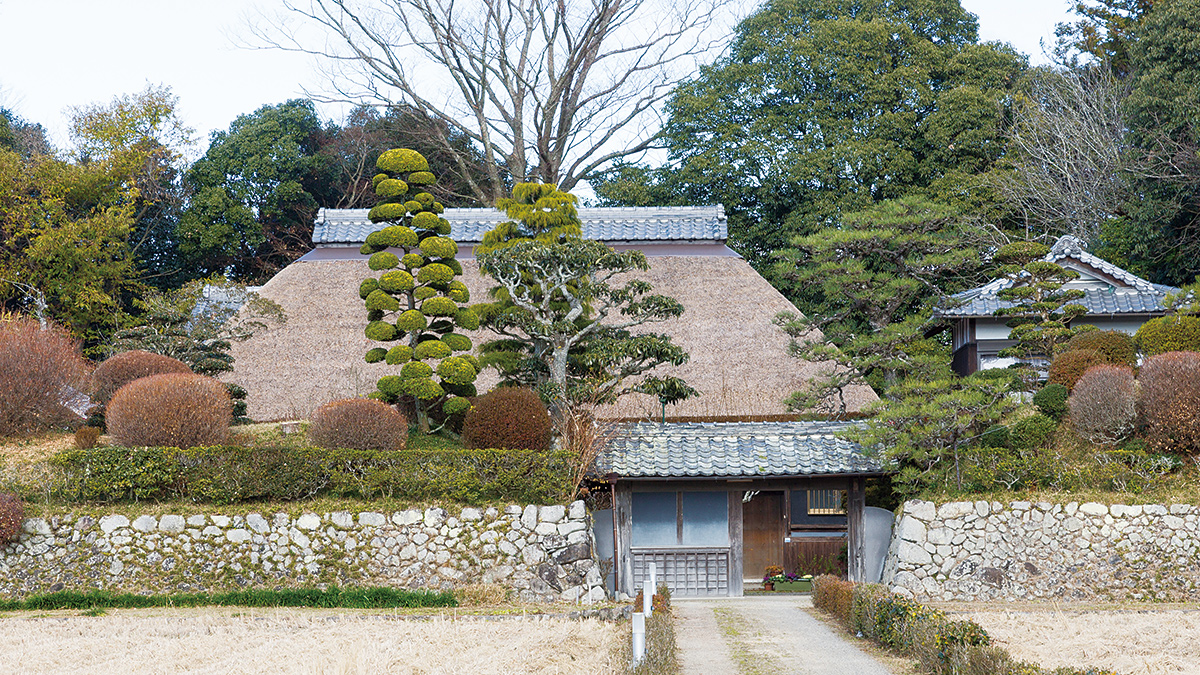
1130, 294
745, 449
620, 224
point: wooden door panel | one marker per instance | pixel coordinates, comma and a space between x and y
762, 534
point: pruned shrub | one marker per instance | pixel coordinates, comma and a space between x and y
38, 369
12, 514
1052, 401
834, 595
507, 417
237, 395
119, 370
1068, 367
1168, 334
1169, 401
87, 437
1103, 405
1116, 347
1030, 433
173, 410
360, 424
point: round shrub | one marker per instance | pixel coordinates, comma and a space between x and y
375, 355
391, 187
1068, 367
439, 307
457, 342
358, 423
1169, 401
386, 211
425, 198
439, 247
412, 260
456, 405
380, 331
467, 318
431, 349
1103, 404
421, 178
456, 370
424, 220
121, 369
12, 514
36, 368
1052, 401
383, 302
424, 389
1116, 347
384, 260
424, 293
171, 410
507, 417
415, 370
396, 281
1168, 334
457, 291
401, 160
368, 286
1030, 433
411, 320
398, 354
436, 274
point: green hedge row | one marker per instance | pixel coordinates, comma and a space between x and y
357, 598
227, 475
940, 645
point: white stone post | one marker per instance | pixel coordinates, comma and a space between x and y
647, 597
639, 637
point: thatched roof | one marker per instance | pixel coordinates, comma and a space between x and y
739, 360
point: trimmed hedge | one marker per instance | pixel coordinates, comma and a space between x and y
228, 474
1168, 334
357, 598
1052, 401
941, 646
1116, 347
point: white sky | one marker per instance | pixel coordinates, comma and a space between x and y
60, 53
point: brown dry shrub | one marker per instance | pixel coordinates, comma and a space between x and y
37, 368
1116, 347
835, 596
358, 423
170, 410
482, 594
1103, 405
121, 369
1068, 367
1170, 401
507, 417
12, 514
87, 438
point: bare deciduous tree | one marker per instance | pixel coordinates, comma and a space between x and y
1067, 143
549, 90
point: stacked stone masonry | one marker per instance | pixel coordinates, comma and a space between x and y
1029, 551
543, 553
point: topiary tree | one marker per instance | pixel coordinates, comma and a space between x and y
1041, 310
1068, 367
414, 303
1168, 334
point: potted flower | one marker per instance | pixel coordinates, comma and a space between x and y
773, 572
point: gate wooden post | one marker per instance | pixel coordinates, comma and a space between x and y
856, 565
623, 518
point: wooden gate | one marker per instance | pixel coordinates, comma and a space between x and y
762, 534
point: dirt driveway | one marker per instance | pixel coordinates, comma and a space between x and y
763, 635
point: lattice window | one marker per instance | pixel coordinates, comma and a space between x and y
826, 502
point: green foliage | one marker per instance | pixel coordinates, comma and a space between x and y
1041, 309
823, 107
868, 286
507, 417
536, 211
996, 436
1168, 334
1116, 347
924, 427
1032, 432
350, 597
230, 475
255, 193
1102, 35
1052, 401
415, 230
359, 424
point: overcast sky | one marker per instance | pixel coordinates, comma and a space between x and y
61, 53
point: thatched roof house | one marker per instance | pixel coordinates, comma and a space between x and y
739, 360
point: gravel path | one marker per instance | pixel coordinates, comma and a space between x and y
771, 635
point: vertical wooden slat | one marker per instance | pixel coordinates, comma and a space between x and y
734, 568
623, 517
855, 541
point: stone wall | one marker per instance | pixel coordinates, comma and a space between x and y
1028, 551
542, 553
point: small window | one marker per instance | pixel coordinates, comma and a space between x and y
826, 502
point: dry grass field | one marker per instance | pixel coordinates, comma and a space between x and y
223, 641
1137, 640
